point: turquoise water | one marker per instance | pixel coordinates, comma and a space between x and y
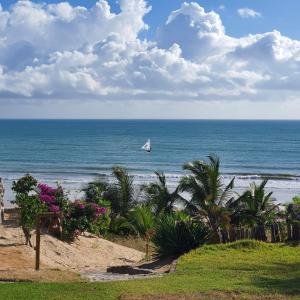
74, 152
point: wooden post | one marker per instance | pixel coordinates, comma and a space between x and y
147, 246
273, 234
289, 230
38, 242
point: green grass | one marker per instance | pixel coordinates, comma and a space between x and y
245, 266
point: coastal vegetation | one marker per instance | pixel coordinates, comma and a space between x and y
211, 212
222, 238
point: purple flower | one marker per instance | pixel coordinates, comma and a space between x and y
100, 211
54, 208
81, 206
47, 198
46, 189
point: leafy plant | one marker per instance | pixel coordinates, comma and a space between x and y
142, 220
94, 190
29, 204
84, 216
209, 197
119, 193
175, 236
159, 197
256, 207
121, 226
296, 200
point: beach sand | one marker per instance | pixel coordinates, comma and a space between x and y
87, 253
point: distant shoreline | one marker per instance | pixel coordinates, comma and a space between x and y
284, 186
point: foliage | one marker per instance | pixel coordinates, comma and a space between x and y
33, 198
142, 220
121, 226
94, 190
84, 216
54, 198
175, 236
159, 197
209, 197
296, 200
28, 202
24, 185
255, 206
120, 192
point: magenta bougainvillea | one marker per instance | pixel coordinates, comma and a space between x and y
49, 196
79, 216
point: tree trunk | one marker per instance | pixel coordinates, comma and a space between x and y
289, 231
27, 236
216, 232
261, 233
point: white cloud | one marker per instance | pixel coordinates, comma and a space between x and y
58, 51
248, 13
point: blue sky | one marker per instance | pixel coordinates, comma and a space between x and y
182, 59
280, 15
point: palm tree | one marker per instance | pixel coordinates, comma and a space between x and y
142, 220
256, 207
120, 192
209, 197
159, 197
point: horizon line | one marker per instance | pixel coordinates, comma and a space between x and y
141, 119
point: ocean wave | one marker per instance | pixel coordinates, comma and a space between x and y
72, 176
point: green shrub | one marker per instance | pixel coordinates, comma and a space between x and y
84, 216
121, 226
175, 235
29, 204
142, 220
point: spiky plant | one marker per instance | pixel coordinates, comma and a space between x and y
159, 197
175, 236
209, 196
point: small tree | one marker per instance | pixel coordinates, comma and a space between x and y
142, 220
159, 197
209, 196
256, 207
29, 204
120, 192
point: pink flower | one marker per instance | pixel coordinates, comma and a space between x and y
81, 206
100, 211
47, 198
46, 189
54, 208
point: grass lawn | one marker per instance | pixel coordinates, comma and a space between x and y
241, 270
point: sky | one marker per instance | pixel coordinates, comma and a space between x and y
230, 59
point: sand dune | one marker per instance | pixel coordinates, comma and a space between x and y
86, 253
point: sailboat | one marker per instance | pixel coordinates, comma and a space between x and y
147, 146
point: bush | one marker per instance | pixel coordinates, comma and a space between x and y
84, 216
121, 226
33, 198
29, 204
54, 198
142, 220
175, 235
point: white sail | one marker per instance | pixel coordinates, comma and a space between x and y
147, 146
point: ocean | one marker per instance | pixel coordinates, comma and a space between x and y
73, 152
